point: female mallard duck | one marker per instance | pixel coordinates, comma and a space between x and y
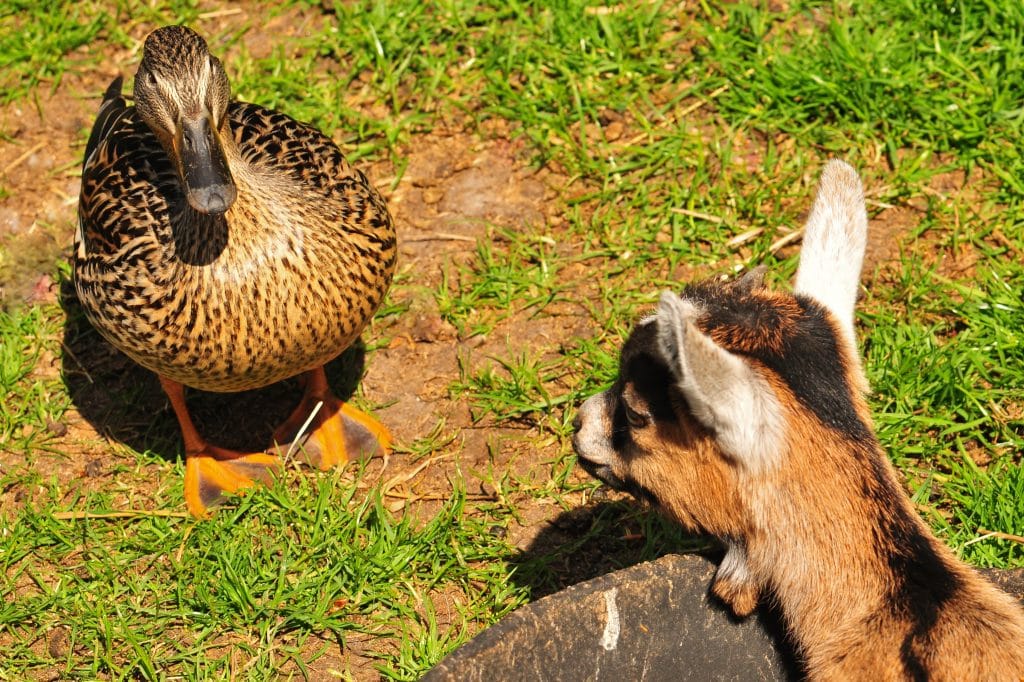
225, 246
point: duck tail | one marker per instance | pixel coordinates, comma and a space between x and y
111, 110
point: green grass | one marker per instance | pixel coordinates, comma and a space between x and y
928, 76
35, 41
291, 569
31, 402
670, 129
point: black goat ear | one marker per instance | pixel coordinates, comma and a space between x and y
751, 280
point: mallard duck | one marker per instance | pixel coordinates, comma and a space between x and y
226, 246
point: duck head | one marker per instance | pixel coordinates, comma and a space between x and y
182, 94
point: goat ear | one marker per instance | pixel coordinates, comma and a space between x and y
723, 392
751, 280
833, 246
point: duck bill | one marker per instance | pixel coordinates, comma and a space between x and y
204, 168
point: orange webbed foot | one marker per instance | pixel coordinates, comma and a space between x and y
210, 471
213, 472
336, 434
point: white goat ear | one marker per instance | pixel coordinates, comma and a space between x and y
723, 392
833, 246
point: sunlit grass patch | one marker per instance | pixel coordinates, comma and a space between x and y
32, 402
317, 558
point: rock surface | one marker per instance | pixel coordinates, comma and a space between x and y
651, 622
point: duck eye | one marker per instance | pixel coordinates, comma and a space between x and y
150, 78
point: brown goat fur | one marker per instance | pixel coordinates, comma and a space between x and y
740, 413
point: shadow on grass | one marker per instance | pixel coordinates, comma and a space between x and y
125, 403
595, 539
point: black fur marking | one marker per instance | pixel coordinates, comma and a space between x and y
641, 363
924, 586
923, 582
612, 480
818, 379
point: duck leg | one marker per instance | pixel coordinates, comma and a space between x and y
210, 471
337, 432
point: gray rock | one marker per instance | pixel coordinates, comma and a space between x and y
654, 621
651, 622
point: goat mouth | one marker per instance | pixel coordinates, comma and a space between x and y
645, 495
604, 473
601, 472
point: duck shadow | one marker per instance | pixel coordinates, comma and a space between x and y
125, 403
606, 536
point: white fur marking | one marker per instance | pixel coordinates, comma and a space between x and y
734, 563
833, 247
612, 627
647, 320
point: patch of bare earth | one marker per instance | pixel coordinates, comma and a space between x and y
459, 189
42, 190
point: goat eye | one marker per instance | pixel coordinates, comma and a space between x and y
636, 420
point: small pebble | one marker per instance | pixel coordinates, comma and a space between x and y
57, 646
58, 429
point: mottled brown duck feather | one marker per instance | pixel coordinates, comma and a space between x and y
281, 283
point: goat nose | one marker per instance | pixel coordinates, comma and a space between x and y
577, 422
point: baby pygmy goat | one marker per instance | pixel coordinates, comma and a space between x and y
740, 412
